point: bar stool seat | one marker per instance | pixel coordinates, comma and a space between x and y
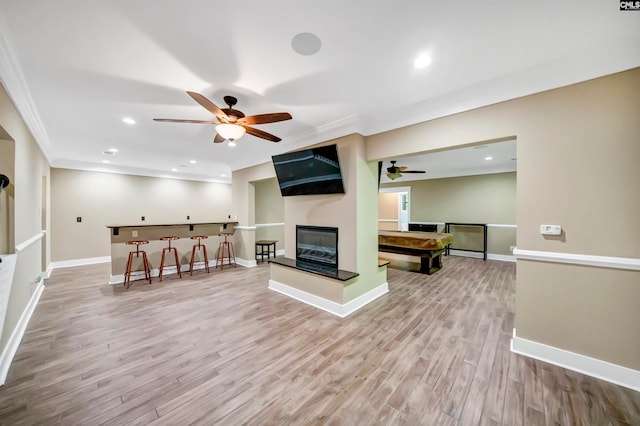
145, 262
197, 247
228, 245
169, 250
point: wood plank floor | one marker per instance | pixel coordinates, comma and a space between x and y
221, 348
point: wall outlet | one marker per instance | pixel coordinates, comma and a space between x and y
141, 217
550, 229
78, 219
188, 217
134, 233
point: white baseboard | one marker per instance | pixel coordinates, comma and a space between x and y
501, 257
476, 255
78, 262
14, 340
593, 367
171, 269
341, 310
246, 263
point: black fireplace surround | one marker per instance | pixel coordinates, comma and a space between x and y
317, 246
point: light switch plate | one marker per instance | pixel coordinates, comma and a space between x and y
550, 229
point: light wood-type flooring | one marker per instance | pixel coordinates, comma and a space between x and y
221, 348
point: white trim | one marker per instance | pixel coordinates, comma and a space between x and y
268, 225
18, 90
428, 223
500, 225
280, 252
170, 269
341, 310
388, 220
477, 255
246, 263
245, 228
18, 332
22, 246
78, 262
579, 259
394, 189
464, 253
593, 367
501, 257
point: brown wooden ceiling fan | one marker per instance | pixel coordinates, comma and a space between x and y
394, 172
232, 123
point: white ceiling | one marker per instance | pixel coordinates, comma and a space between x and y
75, 68
497, 157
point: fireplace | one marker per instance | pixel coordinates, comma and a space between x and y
317, 246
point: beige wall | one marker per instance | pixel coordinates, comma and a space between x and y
489, 198
243, 206
388, 210
103, 199
30, 167
578, 156
269, 209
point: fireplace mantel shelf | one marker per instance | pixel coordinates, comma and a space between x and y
337, 274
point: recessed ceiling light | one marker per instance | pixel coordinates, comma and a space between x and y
232, 144
422, 61
174, 170
488, 158
112, 150
129, 120
223, 175
193, 161
106, 161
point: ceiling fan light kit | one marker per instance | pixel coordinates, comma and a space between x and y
230, 132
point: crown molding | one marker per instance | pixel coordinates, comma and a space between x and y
15, 84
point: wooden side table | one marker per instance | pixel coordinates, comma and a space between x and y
265, 244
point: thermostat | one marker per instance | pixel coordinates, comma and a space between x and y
550, 229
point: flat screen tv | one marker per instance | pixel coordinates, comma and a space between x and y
310, 171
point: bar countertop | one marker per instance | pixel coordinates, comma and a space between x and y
116, 228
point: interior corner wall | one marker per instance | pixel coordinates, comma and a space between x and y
578, 156
30, 167
269, 211
243, 207
103, 199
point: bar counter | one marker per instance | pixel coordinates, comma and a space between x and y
120, 234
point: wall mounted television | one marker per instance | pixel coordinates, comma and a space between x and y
310, 171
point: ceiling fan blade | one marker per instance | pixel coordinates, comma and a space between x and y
402, 168
218, 139
413, 171
175, 120
265, 118
261, 134
209, 106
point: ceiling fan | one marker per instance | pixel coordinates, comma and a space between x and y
232, 123
394, 172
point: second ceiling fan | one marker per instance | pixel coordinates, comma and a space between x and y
394, 172
232, 123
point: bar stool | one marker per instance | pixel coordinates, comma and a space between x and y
145, 262
169, 250
197, 247
230, 253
